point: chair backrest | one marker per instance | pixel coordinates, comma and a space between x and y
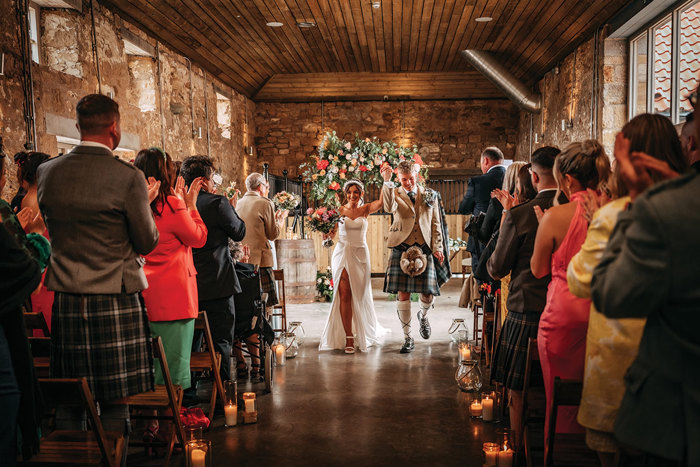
278, 274
159, 354
202, 322
40, 346
36, 320
565, 393
75, 392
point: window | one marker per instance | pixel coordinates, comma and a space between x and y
223, 115
34, 33
665, 63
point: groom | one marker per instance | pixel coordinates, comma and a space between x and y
416, 222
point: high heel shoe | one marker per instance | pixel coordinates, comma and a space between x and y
349, 349
242, 371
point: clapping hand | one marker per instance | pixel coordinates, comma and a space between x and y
245, 254
592, 201
635, 167
189, 196
152, 186
539, 213
506, 199
30, 221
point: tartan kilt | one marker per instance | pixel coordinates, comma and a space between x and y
396, 280
510, 355
267, 284
104, 338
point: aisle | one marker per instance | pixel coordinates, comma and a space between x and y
374, 408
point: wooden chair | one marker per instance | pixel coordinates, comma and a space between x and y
210, 361
534, 400
281, 308
41, 353
36, 321
166, 397
566, 448
71, 447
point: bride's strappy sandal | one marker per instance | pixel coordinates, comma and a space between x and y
349, 349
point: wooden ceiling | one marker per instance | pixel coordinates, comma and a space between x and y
417, 41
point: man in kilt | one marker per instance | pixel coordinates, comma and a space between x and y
416, 222
96, 209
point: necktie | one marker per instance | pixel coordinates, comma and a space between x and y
412, 196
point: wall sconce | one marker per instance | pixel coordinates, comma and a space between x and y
539, 138
2, 64
249, 150
566, 124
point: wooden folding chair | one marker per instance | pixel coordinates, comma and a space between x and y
281, 308
71, 447
41, 353
210, 361
534, 400
165, 397
567, 448
36, 321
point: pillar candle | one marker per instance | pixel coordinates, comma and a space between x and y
198, 458
280, 354
505, 458
475, 409
487, 405
465, 353
231, 414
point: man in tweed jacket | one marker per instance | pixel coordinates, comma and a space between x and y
416, 222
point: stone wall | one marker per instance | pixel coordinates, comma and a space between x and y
67, 72
570, 97
449, 134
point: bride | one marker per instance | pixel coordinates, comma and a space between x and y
352, 322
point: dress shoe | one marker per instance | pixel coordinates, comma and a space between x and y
408, 345
424, 326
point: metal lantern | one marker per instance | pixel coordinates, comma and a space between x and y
468, 376
298, 330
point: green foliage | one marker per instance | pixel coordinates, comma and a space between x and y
324, 286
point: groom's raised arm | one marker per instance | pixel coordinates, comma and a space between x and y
388, 197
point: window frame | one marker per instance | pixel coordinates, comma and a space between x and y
673, 13
33, 15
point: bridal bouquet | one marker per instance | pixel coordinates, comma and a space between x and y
323, 220
286, 201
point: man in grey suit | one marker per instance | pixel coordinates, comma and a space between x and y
650, 269
96, 209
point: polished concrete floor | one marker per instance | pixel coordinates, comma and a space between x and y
374, 408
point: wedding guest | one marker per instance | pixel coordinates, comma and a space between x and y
216, 279
492, 219
96, 208
171, 298
561, 338
20, 158
612, 344
526, 297
690, 143
42, 298
649, 270
476, 199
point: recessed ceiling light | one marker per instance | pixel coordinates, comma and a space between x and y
483, 19
275, 24
306, 24
376, 4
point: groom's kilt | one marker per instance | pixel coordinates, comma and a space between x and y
396, 280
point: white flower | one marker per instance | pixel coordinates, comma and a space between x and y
348, 145
327, 282
217, 179
351, 168
348, 156
334, 169
319, 280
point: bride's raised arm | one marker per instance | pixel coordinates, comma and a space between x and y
375, 206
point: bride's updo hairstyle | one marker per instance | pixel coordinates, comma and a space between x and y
587, 162
359, 186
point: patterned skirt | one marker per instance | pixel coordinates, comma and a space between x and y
104, 338
510, 355
267, 284
396, 280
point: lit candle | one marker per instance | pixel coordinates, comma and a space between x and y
249, 399
465, 353
198, 458
475, 409
487, 405
491, 453
505, 457
280, 354
231, 414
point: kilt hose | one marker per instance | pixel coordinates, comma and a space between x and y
396, 280
104, 338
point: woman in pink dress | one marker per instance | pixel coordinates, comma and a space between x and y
561, 338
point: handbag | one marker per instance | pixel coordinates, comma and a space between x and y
480, 271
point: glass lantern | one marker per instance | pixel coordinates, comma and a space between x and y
231, 407
280, 351
199, 453
458, 330
193, 433
491, 451
250, 408
291, 344
298, 330
468, 376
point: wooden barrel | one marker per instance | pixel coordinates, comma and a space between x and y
298, 260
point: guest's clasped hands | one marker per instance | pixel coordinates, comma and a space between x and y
189, 196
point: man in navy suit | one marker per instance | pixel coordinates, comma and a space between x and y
478, 195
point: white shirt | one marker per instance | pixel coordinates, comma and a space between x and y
391, 185
499, 165
95, 144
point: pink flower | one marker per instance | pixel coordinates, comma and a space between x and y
348, 145
310, 211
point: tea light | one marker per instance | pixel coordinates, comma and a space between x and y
231, 414
280, 355
487, 406
198, 458
491, 452
505, 457
475, 409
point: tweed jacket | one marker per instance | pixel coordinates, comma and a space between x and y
397, 202
650, 269
258, 213
96, 210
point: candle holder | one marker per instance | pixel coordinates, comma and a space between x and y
298, 330
466, 352
193, 433
488, 405
280, 352
456, 326
468, 376
475, 407
491, 451
291, 344
250, 408
198, 454
231, 407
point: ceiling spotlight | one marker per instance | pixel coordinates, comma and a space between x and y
483, 19
275, 24
306, 24
376, 4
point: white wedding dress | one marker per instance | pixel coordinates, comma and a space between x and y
352, 254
